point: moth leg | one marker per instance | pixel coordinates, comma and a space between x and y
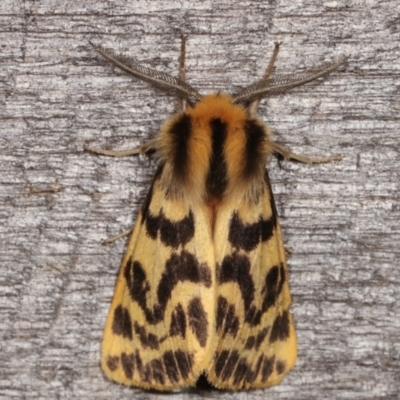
145, 148
289, 250
253, 106
182, 74
288, 155
119, 236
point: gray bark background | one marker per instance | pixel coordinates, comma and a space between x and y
57, 201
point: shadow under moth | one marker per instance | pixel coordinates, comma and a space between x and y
203, 288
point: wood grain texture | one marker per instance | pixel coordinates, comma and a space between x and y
58, 202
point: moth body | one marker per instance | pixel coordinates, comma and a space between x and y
203, 288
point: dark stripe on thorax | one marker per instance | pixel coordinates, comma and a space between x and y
180, 131
254, 159
217, 179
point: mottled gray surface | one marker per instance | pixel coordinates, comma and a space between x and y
58, 202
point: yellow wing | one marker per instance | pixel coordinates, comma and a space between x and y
255, 333
160, 328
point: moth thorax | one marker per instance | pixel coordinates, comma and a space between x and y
214, 149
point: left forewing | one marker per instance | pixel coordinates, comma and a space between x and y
159, 331
255, 333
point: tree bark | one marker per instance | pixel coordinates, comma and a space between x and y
340, 219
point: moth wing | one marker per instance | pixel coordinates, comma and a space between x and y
256, 338
159, 330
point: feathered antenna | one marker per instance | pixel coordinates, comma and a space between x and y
281, 83
160, 80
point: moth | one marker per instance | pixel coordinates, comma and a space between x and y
203, 288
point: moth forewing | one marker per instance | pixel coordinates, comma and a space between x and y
203, 288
